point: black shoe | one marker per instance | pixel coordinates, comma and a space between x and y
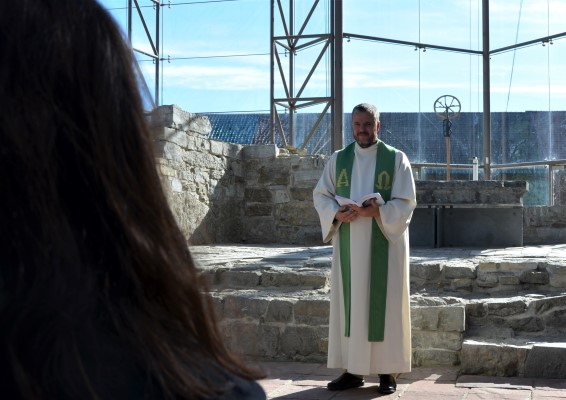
387, 384
345, 381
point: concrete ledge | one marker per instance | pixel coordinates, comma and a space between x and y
493, 193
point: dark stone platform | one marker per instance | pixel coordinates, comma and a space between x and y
468, 214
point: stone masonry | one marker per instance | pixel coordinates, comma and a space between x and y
228, 193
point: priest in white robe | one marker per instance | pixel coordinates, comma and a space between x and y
357, 343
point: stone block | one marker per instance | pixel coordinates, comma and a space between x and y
307, 177
314, 281
164, 167
547, 361
258, 195
312, 311
462, 284
535, 277
517, 267
238, 306
555, 323
217, 148
259, 210
279, 311
492, 359
487, 281
425, 318
556, 273
303, 235
506, 307
169, 151
486, 267
323, 348
280, 194
548, 303
280, 278
171, 135
299, 341
251, 339
260, 230
176, 185
460, 272
175, 117
452, 318
301, 193
427, 271
201, 145
509, 280
439, 318
260, 151
235, 279
319, 262
434, 357
298, 213
476, 309
489, 331
436, 340
273, 174
526, 324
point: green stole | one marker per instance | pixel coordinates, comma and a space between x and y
384, 167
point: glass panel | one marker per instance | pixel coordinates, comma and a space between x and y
439, 174
213, 60
518, 21
537, 177
442, 22
559, 182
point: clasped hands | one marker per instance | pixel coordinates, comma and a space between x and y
352, 212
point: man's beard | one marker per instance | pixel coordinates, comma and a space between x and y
365, 144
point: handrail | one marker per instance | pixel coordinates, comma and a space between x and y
550, 164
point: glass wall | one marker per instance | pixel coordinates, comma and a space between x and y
400, 55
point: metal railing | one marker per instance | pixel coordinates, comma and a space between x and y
551, 166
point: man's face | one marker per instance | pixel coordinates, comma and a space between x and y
365, 128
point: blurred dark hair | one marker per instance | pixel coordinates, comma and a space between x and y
89, 249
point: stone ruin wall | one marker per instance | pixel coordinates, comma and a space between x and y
228, 193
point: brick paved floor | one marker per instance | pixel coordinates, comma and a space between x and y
302, 381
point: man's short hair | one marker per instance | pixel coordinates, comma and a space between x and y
368, 108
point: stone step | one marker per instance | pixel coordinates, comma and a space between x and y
273, 303
514, 357
273, 319
491, 275
288, 324
529, 316
455, 277
267, 276
275, 324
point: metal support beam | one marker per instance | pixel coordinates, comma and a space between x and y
286, 49
486, 93
337, 76
155, 54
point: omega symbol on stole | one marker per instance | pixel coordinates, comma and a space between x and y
383, 181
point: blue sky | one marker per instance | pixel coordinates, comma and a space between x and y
217, 53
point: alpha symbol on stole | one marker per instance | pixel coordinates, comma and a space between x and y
343, 180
